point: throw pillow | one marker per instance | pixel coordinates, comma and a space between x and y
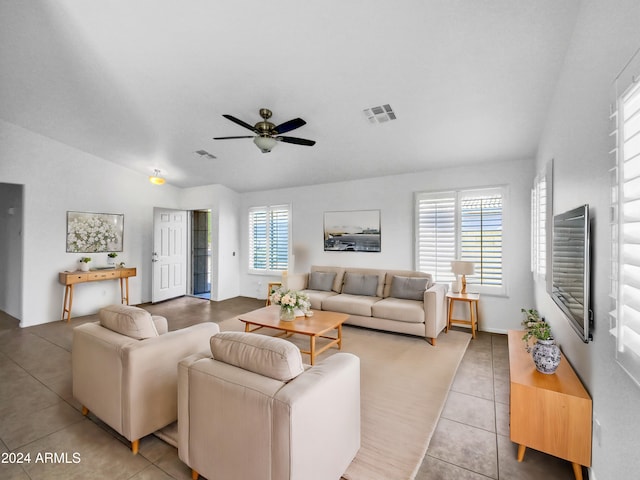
410, 288
322, 281
269, 356
360, 284
131, 321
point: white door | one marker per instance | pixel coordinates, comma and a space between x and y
169, 254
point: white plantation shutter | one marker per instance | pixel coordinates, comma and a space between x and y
269, 229
539, 226
625, 221
436, 242
279, 239
465, 225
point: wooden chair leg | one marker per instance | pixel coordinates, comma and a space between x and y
135, 445
194, 475
85, 411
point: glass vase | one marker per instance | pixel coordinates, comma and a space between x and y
287, 314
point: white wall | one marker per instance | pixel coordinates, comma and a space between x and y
394, 197
58, 178
577, 138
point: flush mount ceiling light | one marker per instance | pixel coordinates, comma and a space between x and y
156, 179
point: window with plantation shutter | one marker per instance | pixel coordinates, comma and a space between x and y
481, 236
539, 219
625, 231
269, 239
465, 225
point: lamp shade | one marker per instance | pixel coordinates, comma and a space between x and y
265, 144
461, 267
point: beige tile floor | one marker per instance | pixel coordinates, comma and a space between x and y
39, 415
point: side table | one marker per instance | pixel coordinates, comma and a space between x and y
470, 298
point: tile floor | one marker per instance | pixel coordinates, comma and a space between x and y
39, 415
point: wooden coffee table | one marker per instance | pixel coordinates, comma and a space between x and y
314, 327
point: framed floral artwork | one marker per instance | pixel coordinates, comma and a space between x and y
94, 232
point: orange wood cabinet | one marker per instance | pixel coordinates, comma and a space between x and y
549, 413
69, 279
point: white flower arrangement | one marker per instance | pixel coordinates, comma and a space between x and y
93, 234
291, 299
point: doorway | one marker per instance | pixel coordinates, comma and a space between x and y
11, 250
201, 253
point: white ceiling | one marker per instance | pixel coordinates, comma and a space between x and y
144, 83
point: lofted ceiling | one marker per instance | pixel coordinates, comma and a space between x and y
144, 83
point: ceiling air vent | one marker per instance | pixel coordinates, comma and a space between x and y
204, 153
380, 114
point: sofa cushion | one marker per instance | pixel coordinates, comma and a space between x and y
269, 356
360, 284
131, 321
322, 281
402, 310
350, 304
316, 297
410, 288
337, 282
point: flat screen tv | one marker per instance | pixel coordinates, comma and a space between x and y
570, 272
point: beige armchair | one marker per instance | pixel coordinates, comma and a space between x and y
249, 409
125, 368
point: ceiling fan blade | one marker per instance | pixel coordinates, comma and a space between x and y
228, 138
240, 122
297, 141
290, 125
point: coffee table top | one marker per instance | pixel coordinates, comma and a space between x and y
317, 324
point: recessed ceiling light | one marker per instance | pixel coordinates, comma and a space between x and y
381, 114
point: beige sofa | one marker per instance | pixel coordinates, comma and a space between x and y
400, 301
249, 409
125, 368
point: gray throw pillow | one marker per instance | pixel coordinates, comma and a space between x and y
410, 288
321, 281
359, 284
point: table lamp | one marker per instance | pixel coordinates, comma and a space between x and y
461, 267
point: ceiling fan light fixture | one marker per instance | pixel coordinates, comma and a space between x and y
265, 144
156, 179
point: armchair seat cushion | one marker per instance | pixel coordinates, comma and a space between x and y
131, 321
400, 309
268, 356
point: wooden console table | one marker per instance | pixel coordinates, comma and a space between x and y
549, 413
69, 279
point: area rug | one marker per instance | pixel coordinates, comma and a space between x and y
404, 385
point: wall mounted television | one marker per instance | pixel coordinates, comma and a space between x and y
570, 268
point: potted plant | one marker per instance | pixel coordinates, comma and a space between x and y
545, 352
84, 263
111, 258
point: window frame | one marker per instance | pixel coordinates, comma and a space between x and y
271, 268
444, 266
